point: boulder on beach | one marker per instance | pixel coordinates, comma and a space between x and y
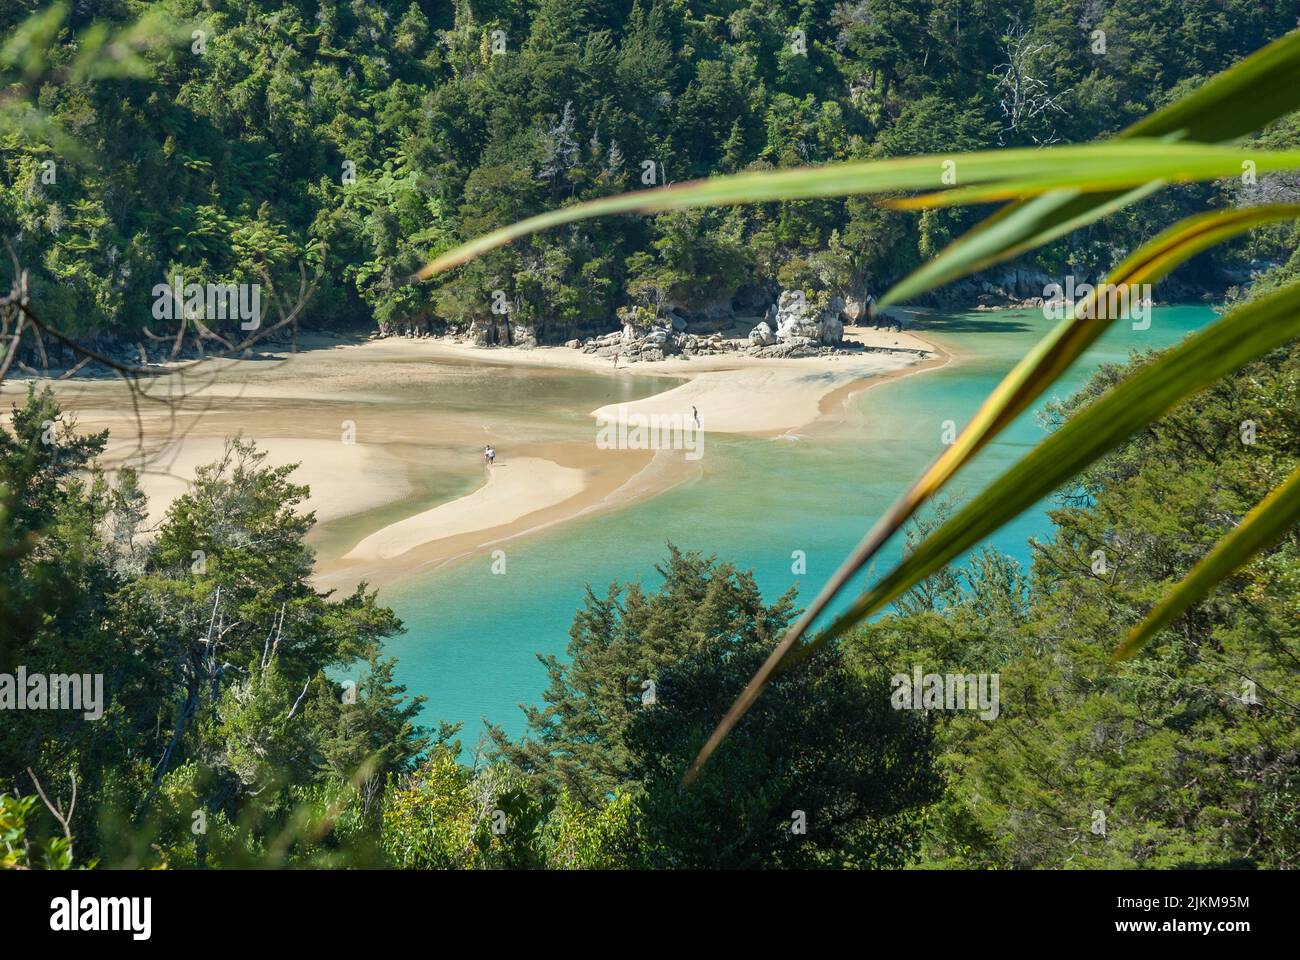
787, 349
799, 319
762, 335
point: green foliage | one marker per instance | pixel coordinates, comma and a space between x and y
214, 649
647, 676
445, 816
55, 582
1188, 751
228, 162
19, 850
823, 773
578, 837
620, 645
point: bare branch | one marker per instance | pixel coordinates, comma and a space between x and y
64, 819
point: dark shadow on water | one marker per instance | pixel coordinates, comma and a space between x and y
1000, 323
154, 372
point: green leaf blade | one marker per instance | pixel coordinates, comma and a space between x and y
1090, 166
1230, 343
1267, 523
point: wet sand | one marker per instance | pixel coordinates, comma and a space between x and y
389, 433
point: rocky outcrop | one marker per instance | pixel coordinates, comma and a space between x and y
1014, 287
522, 335
647, 335
889, 319
482, 332
798, 318
796, 347
662, 339
635, 343
793, 328
501, 332
762, 335
857, 308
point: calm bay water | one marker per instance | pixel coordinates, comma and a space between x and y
472, 637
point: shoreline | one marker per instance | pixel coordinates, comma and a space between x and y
405, 495
822, 386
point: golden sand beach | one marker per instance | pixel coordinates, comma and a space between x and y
398, 483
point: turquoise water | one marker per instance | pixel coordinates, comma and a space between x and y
472, 637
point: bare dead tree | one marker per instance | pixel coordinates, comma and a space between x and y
1281, 187
1025, 99
1093, 11
169, 381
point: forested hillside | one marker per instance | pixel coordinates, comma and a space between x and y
362, 138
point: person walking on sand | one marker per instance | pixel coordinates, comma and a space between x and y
489, 455
615, 361
696, 414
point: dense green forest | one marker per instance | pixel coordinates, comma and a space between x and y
359, 139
